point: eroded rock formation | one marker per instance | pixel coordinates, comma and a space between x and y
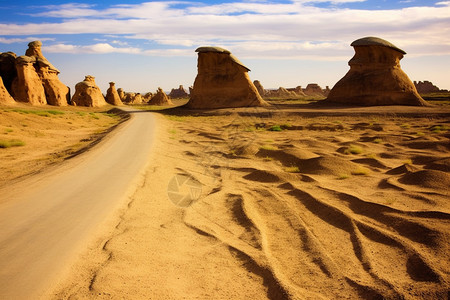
314, 90
5, 97
259, 88
112, 96
178, 93
8, 69
426, 87
27, 86
222, 81
87, 93
160, 98
375, 77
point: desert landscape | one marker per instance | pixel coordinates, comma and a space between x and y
226, 190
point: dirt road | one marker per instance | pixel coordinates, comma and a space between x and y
47, 219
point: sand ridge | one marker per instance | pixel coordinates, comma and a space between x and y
290, 207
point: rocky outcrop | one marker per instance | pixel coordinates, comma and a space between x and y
121, 94
147, 97
5, 97
8, 69
137, 99
282, 93
178, 93
259, 88
375, 77
160, 98
299, 91
313, 90
87, 93
112, 96
426, 87
27, 86
222, 81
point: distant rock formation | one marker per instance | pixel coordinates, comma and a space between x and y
282, 93
178, 93
259, 88
147, 97
137, 99
222, 81
299, 91
5, 97
313, 90
426, 87
129, 97
87, 93
27, 86
112, 96
160, 98
121, 94
8, 69
375, 77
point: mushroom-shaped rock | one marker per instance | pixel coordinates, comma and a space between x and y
56, 92
112, 96
222, 81
375, 77
27, 86
121, 94
87, 93
5, 97
34, 50
160, 98
178, 93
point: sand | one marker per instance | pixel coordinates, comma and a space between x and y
282, 204
48, 136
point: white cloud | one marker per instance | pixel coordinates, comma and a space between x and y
252, 28
99, 48
23, 40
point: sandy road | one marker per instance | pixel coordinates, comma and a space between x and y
46, 220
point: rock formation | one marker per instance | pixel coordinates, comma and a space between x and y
147, 97
137, 99
222, 81
259, 88
426, 87
27, 86
178, 93
8, 69
121, 94
313, 90
5, 97
129, 98
87, 93
112, 96
160, 98
299, 91
375, 77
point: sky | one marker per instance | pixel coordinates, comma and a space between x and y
145, 45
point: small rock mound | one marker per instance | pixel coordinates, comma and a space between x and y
160, 98
87, 93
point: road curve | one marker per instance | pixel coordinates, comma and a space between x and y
45, 221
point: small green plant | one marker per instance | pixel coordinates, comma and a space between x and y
360, 171
371, 155
343, 176
405, 126
293, 169
268, 147
267, 158
420, 133
438, 128
8, 130
94, 115
408, 162
11, 143
275, 128
378, 141
353, 149
81, 113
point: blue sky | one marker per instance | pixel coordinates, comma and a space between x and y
144, 45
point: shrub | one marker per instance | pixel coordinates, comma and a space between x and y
11, 143
353, 149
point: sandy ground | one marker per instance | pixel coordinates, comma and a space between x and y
282, 204
47, 135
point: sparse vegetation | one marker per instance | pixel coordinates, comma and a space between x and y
11, 143
275, 128
268, 147
353, 149
42, 113
343, 176
293, 169
438, 128
378, 141
361, 171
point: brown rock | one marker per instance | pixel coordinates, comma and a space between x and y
121, 94
112, 96
8, 69
34, 50
129, 98
160, 98
259, 88
426, 87
178, 93
56, 92
147, 97
27, 86
314, 90
87, 93
375, 77
222, 81
137, 99
5, 97
299, 91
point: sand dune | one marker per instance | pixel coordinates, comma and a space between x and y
330, 207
